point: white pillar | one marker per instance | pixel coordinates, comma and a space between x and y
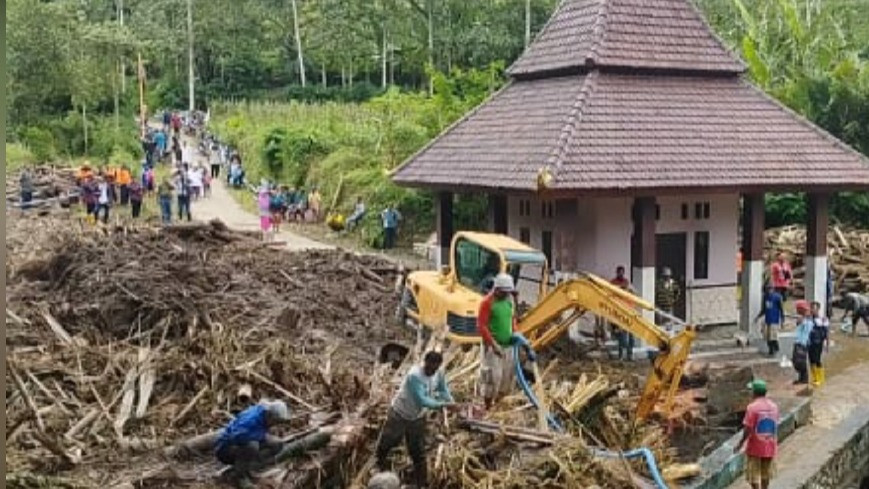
815, 280
643, 281
751, 301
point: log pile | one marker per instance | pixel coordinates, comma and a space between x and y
51, 185
848, 252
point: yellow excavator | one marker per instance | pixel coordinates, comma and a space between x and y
450, 298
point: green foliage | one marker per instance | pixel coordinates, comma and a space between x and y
17, 157
40, 141
355, 146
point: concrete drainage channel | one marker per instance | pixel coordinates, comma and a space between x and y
839, 461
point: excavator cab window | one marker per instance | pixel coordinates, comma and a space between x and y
476, 266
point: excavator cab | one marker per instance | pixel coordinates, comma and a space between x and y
450, 298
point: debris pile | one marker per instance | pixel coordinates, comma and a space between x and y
849, 255
122, 341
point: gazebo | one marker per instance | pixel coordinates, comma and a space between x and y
627, 135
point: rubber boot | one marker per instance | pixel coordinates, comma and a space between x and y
822, 376
813, 373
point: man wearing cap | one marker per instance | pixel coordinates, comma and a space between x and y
760, 430
495, 322
246, 441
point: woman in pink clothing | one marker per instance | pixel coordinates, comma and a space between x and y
265, 215
781, 275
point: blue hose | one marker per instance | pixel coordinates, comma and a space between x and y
520, 342
644, 452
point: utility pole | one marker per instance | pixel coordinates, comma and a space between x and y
190, 90
123, 68
527, 22
299, 42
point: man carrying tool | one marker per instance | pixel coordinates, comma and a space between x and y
245, 441
667, 294
760, 430
424, 387
495, 322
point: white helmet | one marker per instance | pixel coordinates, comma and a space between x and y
277, 409
384, 480
503, 281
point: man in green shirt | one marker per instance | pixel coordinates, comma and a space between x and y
495, 323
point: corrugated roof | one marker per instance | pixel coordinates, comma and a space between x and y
616, 131
635, 34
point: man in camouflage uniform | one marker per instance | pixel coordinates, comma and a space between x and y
667, 293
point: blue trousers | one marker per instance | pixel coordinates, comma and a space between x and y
166, 209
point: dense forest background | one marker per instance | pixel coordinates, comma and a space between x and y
335, 93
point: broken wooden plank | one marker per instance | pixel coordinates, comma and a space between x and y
146, 381
189, 406
57, 329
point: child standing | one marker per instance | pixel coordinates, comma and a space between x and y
276, 208
819, 341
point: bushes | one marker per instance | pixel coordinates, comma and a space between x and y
17, 157
40, 142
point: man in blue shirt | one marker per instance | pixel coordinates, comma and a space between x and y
424, 387
773, 313
245, 441
390, 218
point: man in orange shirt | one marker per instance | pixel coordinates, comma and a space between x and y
124, 178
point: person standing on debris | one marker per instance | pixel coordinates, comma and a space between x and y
857, 305
194, 176
25, 182
424, 387
781, 275
160, 144
390, 217
246, 441
277, 207
164, 197
819, 341
799, 357
667, 293
760, 431
104, 199
625, 339
772, 310
182, 186
496, 322
135, 193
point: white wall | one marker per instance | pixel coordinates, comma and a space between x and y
601, 236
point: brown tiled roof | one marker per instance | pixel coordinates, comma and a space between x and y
605, 131
635, 34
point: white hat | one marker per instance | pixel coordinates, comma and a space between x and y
277, 409
503, 281
384, 480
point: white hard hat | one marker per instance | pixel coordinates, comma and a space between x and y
384, 480
277, 409
503, 281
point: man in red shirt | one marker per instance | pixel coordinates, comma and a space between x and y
781, 275
761, 432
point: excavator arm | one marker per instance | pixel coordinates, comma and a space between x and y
551, 317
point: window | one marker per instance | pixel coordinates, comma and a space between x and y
546, 244
684, 211
701, 255
547, 210
657, 212
525, 235
524, 207
475, 265
702, 210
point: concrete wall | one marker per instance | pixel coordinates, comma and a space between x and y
594, 234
